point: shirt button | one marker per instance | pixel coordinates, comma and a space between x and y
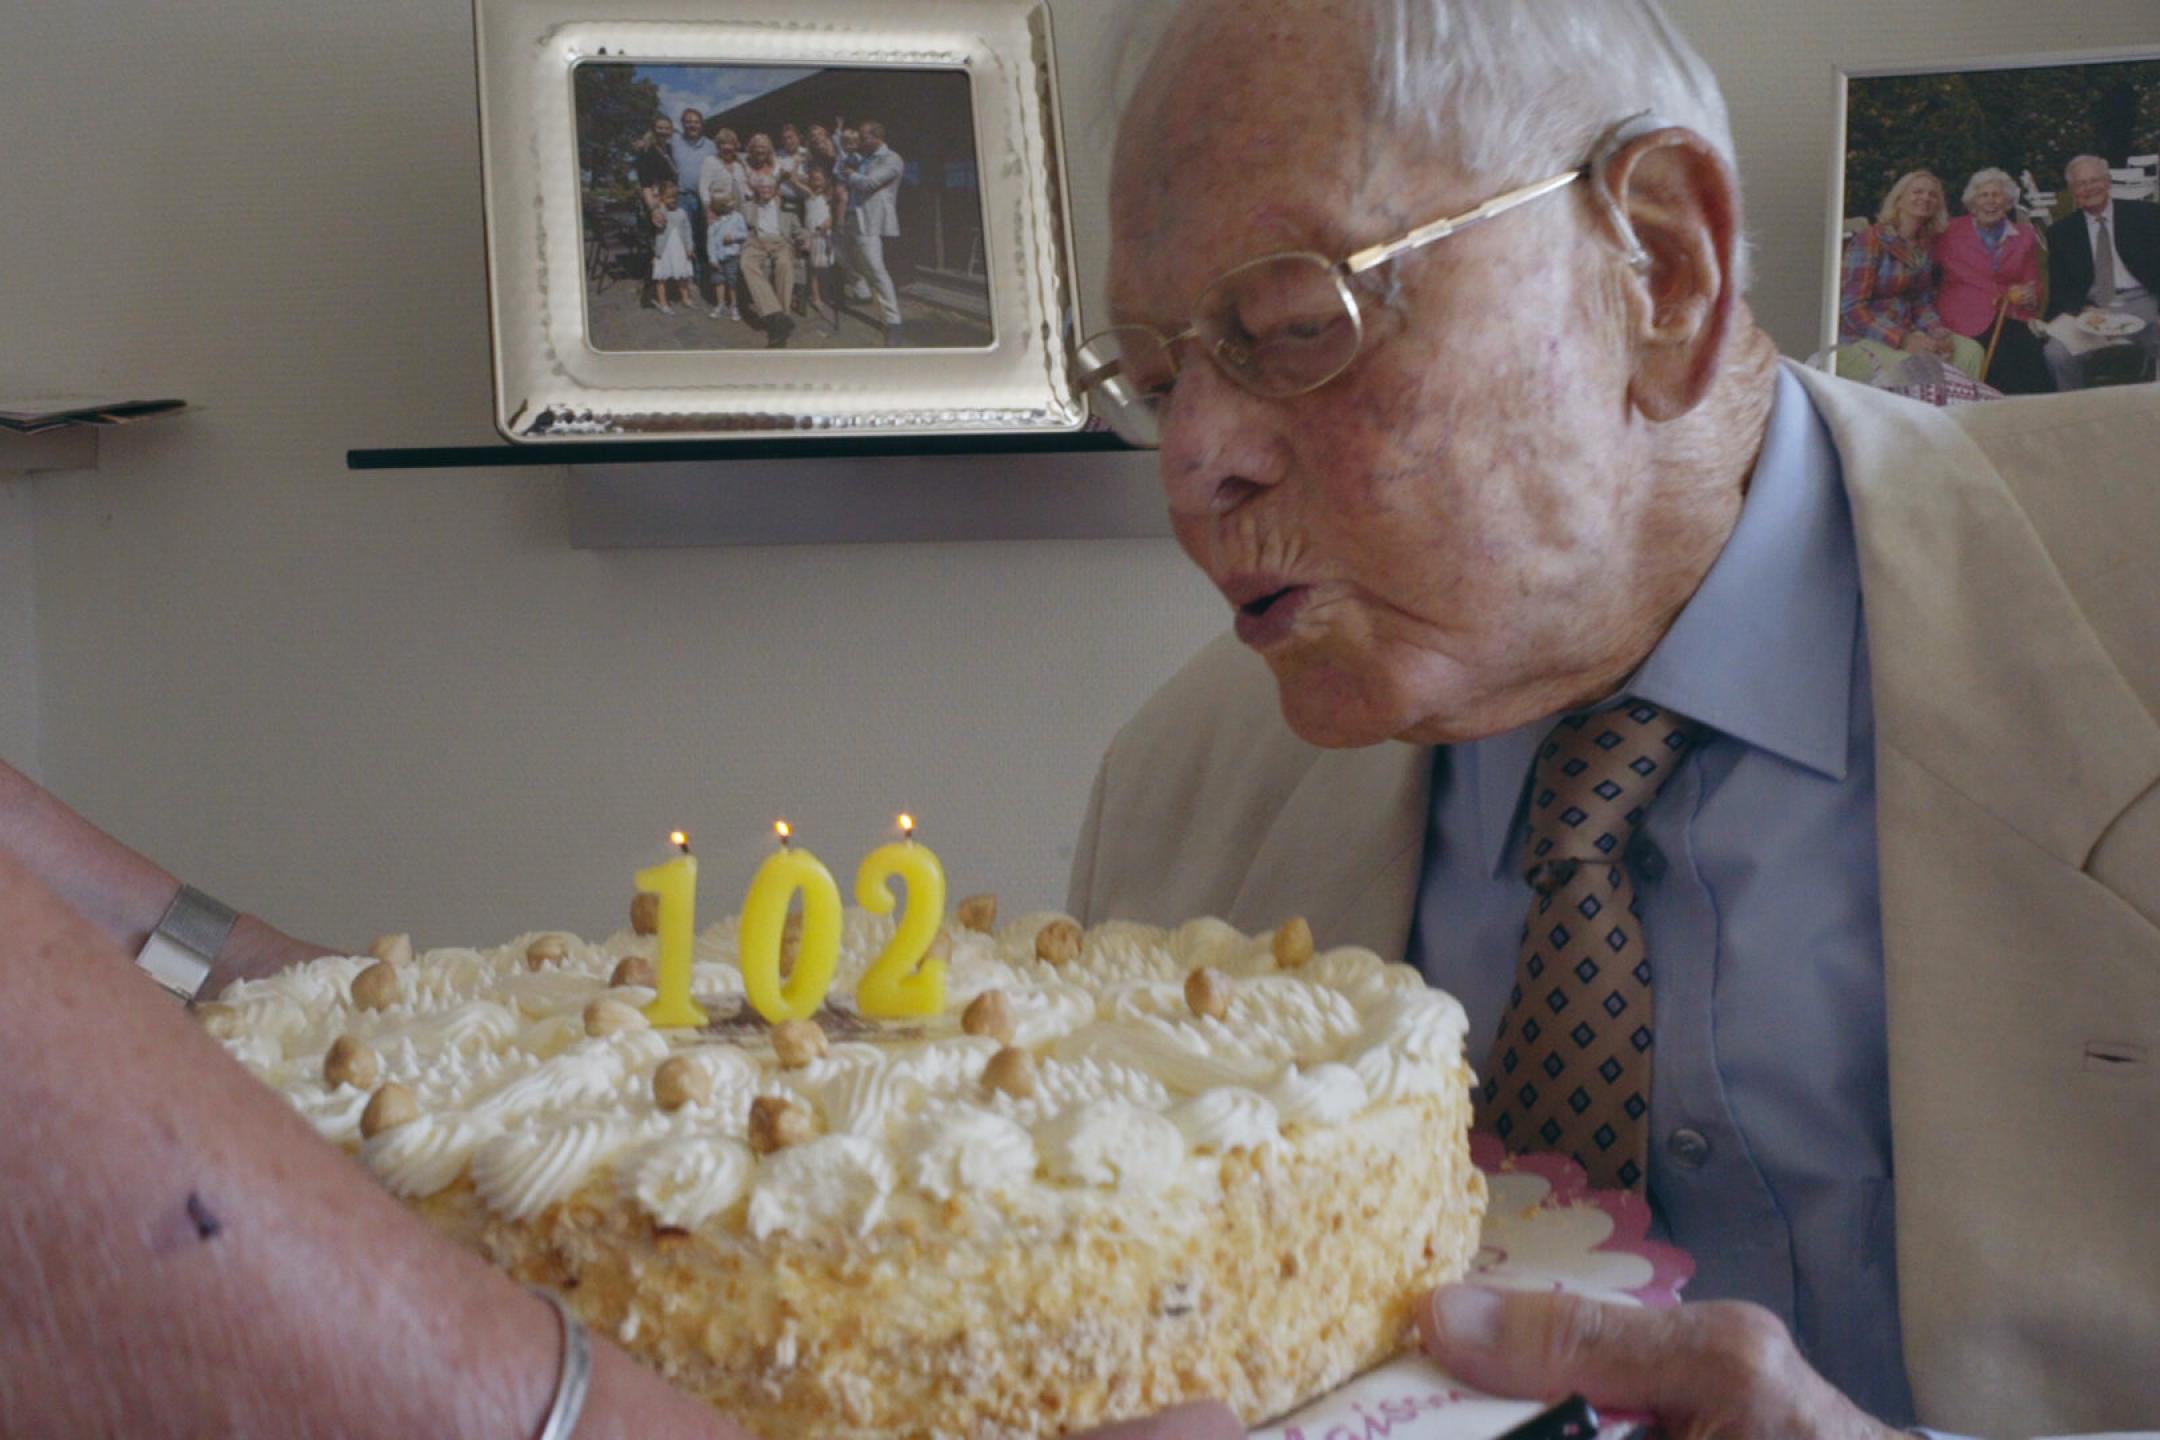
1648, 861
1689, 1147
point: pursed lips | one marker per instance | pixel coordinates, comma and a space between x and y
1267, 606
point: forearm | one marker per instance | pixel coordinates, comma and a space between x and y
181, 1256
119, 891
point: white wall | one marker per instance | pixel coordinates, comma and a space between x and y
358, 701
362, 701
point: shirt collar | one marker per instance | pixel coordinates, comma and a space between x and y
1763, 652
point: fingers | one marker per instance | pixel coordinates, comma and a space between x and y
1206, 1420
1671, 1363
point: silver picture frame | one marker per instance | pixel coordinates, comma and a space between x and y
2040, 190
554, 384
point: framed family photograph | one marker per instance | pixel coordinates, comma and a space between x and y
751, 223
1998, 222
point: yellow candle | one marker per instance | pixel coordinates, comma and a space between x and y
764, 917
675, 882
896, 987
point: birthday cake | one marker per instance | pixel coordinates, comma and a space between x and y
1126, 1166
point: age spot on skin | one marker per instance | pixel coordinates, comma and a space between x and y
182, 1229
207, 1225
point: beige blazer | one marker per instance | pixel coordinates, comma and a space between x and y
2010, 568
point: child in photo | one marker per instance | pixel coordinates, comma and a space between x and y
672, 265
818, 244
724, 241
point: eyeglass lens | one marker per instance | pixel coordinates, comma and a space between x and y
1278, 326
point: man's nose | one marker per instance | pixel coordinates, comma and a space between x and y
1221, 444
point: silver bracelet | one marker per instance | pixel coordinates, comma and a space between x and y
182, 950
573, 1378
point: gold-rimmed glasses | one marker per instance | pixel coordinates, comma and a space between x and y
1277, 326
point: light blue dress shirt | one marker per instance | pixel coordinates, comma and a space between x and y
1769, 1104
689, 157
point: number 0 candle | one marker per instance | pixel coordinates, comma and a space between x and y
675, 882
896, 987
764, 919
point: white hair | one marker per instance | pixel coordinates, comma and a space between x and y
2077, 160
1514, 90
1511, 91
1981, 179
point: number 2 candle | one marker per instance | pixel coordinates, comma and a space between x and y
896, 987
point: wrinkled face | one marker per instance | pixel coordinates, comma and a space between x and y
2090, 187
1457, 535
1991, 202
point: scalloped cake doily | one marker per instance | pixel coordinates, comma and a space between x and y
1545, 1229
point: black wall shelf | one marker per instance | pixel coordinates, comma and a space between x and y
656, 452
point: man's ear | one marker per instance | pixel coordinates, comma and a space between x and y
1682, 203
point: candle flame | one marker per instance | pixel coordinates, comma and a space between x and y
780, 828
679, 840
907, 826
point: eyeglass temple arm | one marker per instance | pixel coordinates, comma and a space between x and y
1363, 260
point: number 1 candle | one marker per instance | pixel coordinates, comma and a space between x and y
895, 987
764, 918
675, 882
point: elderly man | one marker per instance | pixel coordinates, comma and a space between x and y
1524, 525
768, 257
2103, 256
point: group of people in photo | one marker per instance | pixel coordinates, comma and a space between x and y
765, 232
1979, 289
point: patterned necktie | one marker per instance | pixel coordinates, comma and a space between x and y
1570, 1068
2103, 267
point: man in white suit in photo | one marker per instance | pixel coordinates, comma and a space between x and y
1810, 729
873, 217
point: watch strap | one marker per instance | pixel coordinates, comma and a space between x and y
181, 950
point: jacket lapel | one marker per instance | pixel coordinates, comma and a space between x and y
1985, 670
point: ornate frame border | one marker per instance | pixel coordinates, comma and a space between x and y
552, 386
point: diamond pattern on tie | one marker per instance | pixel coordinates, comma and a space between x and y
1593, 779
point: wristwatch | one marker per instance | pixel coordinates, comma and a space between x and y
180, 951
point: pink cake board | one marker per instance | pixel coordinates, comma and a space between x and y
1545, 1229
